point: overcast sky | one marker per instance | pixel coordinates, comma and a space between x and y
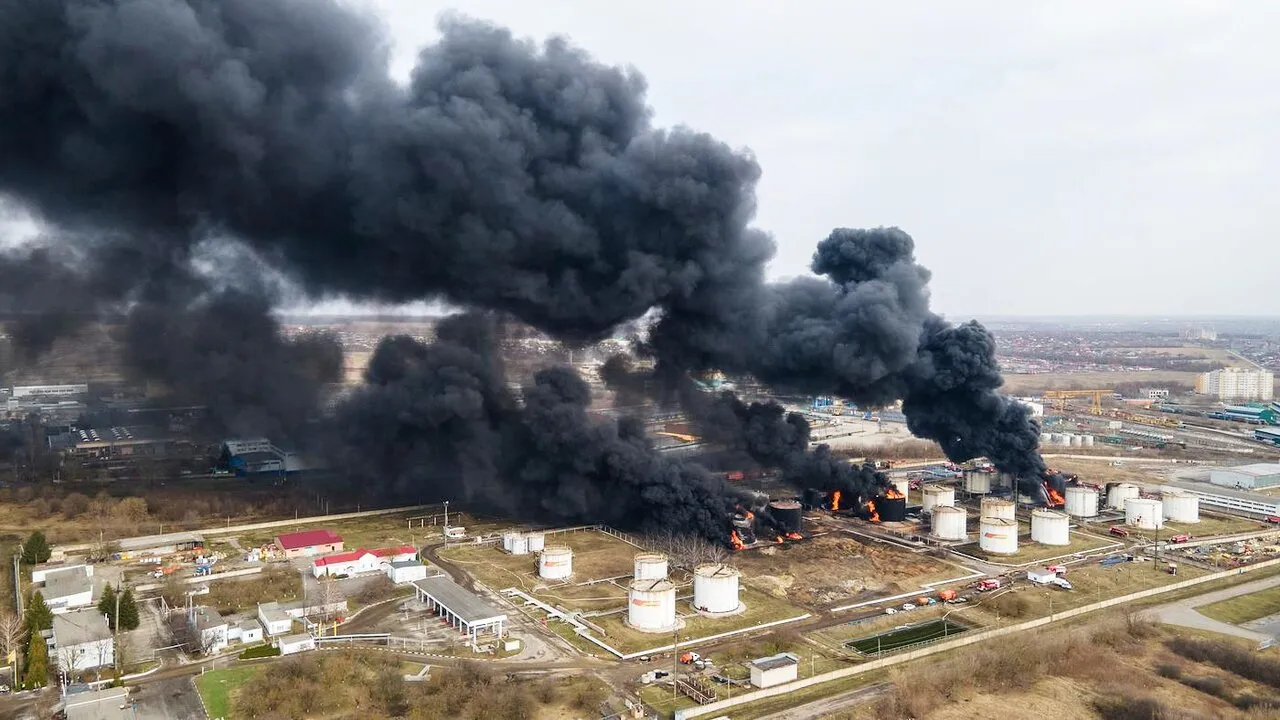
1079, 157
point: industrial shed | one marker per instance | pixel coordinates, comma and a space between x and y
1249, 477
774, 670
469, 614
166, 544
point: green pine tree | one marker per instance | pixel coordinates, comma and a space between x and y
39, 616
107, 605
36, 549
129, 619
37, 674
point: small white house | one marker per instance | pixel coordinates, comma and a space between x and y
774, 670
82, 640
245, 631
406, 571
68, 589
213, 630
274, 619
347, 563
290, 644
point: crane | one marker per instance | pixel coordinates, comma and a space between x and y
1062, 395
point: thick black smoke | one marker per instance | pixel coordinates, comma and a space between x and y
508, 176
438, 421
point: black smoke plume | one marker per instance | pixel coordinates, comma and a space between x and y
505, 175
438, 421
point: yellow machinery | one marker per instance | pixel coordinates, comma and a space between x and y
682, 437
1145, 419
1063, 395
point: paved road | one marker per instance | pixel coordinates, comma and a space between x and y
825, 706
1183, 612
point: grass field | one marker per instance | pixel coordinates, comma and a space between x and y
1243, 608
366, 532
1029, 552
217, 686
1015, 384
910, 635
596, 556
761, 608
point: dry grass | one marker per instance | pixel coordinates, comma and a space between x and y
1029, 552
1019, 384
837, 568
1243, 608
276, 583
760, 608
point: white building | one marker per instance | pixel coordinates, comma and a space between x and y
1229, 499
245, 631
1151, 393
1237, 384
275, 621
68, 589
1247, 477
213, 630
405, 571
1036, 408
774, 670
21, 391
346, 563
39, 573
82, 640
290, 644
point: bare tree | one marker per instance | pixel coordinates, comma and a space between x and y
685, 550
13, 633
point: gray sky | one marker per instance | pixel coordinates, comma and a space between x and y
1079, 157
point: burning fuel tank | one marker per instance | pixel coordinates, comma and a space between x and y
891, 508
786, 515
813, 498
744, 524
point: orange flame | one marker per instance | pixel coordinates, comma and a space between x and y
749, 515
794, 536
893, 494
871, 508
835, 501
778, 540
736, 540
1055, 497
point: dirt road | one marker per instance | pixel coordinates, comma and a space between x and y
825, 706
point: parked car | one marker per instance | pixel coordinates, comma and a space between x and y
889, 611
908, 606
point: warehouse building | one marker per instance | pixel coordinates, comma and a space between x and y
1247, 477
1267, 435
40, 572
309, 543
467, 613
68, 589
153, 545
22, 391
1241, 502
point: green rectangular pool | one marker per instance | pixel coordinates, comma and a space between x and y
910, 635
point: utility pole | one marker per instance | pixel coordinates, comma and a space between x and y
115, 638
675, 662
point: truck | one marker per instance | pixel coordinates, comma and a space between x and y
946, 595
1058, 569
1273, 519
986, 585
1172, 568
1118, 531
1180, 538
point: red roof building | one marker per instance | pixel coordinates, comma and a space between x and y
308, 543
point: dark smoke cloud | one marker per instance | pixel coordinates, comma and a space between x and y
509, 176
439, 421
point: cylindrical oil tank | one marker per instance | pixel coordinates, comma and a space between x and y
949, 523
507, 538
1063, 439
1117, 495
651, 605
1046, 438
1082, 501
902, 485
536, 541
998, 535
715, 588
1050, 527
651, 566
786, 514
1088, 440
813, 498
1180, 507
519, 544
998, 508
892, 509
1144, 513
938, 496
977, 483
555, 563
1077, 440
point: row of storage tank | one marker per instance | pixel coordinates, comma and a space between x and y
1066, 439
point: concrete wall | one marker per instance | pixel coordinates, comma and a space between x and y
967, 639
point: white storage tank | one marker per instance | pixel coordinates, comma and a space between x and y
902, 485
938, 495
651, 566
536, 541
1180, 507
1045, 438
998, 535
1088, 440
555, 563
507, 537
997, 508
977, 483
1082, 501
1063, 439
519, 544
1050, 527
949, 523
1077, 440
1119, 493
651, 605
715, 588
1144, 513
